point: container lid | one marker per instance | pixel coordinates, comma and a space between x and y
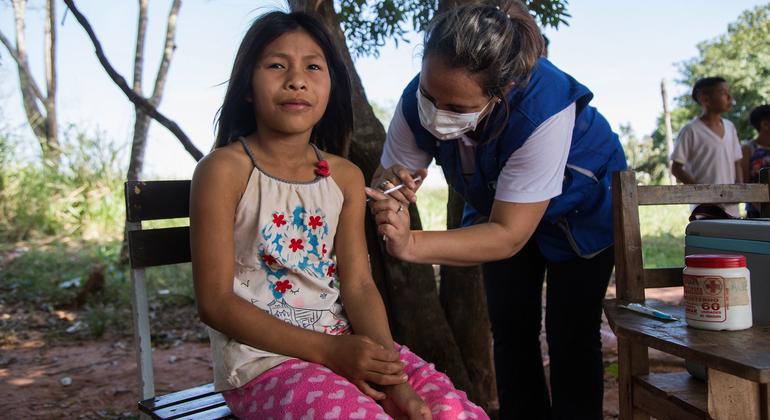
715, 261
749, 230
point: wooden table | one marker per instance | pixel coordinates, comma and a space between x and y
737, 362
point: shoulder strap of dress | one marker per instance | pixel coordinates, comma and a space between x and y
318, 153
248, 151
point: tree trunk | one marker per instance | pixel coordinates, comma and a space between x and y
142, 120
465, 304
51, 124
43, 128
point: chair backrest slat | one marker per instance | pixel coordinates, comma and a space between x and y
663, 277
630, 275
154, 200
702, 194
154, 247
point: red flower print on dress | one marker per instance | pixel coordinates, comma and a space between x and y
296, 244
279, 220
315, 222
322, 168
283, 286
330, 271
323, 250
269, 259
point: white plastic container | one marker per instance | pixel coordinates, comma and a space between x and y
717, 292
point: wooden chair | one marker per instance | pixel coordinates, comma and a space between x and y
737, 362
157, 200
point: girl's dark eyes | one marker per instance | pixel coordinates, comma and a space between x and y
314, 67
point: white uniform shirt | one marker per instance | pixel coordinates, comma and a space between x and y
533, 173
710, 159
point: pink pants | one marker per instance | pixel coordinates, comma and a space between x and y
299, 390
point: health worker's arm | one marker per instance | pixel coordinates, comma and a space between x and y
532, 175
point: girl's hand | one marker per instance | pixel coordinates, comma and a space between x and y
396, 175
392, 218
360, 359
404, 403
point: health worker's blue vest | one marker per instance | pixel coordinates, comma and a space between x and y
579, 221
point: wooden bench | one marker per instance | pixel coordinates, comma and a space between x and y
160, 200
737, 362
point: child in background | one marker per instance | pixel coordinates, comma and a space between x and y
277, 239
707, 150
756, 153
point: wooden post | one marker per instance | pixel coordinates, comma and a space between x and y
633, 360
629, 285
669, 131
629, 273
731, 397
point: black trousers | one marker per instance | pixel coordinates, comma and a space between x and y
574, 294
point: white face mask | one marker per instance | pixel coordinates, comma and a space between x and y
446, 125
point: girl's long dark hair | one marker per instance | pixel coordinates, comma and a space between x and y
236, 116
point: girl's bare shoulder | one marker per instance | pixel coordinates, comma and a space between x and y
226, 168
345, 173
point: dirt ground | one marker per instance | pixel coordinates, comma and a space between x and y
41, 378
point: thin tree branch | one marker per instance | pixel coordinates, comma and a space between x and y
23, 66
168, 52
123, 85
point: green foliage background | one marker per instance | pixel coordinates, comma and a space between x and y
368, 25
742, 57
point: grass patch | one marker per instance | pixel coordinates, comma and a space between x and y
431, 203
662, 229
31, 283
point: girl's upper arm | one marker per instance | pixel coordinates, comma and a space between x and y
350, 241
213, 199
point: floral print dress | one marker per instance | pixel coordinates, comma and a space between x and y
284, 265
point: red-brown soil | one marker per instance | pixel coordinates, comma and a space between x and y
34, 370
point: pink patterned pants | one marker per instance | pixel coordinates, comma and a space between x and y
299, 390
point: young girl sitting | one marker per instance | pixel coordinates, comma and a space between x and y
278, 247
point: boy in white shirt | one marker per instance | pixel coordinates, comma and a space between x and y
707, 150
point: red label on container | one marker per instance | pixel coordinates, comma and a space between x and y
707, 298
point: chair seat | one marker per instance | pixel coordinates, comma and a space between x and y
741, 353
198, 403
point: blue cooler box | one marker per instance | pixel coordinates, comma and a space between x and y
746, 237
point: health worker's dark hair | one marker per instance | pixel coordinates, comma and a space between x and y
497, 40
